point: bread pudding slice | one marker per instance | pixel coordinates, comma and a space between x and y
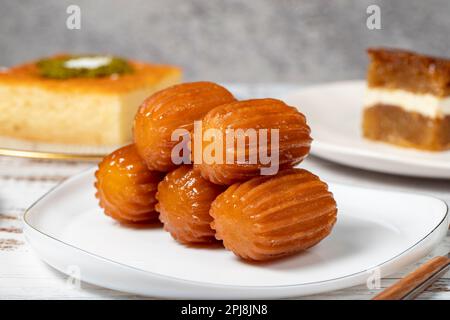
78, 100
407, 100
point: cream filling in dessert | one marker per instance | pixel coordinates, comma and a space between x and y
87, 62
425, 104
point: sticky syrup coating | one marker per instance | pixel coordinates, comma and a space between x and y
184, 202
126, 189
270, 217
293, 145
176, 107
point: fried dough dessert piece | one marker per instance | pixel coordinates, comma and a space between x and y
184, 200
269, 217
126, 188
293, 145
175, 107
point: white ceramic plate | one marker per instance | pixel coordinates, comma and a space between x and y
334, 114
376, 230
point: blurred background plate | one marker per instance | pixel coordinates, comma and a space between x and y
43, 150
334, 112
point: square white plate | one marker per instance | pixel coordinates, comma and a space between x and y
334, 112
377, 231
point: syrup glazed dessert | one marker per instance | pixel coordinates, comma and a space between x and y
269, 217
78, 99
184, 200
174, 108
407, 101
262, 218
293, 145
126, 189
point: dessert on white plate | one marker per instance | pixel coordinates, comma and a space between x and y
377, 231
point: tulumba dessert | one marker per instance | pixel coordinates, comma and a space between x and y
407, 101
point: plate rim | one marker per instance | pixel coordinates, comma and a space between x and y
30, 154
210, 284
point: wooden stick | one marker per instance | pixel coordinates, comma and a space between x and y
403, 287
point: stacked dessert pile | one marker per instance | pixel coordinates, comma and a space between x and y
258, 217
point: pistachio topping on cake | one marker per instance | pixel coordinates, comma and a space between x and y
82, 66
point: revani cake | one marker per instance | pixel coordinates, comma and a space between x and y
407, 102
82, 99
263, 216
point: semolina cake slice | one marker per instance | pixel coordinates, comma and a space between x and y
407, 101
86, 100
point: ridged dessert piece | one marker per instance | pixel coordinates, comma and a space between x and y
126, 189
293, 144
407, 101
270, 217
176, 107
184, 200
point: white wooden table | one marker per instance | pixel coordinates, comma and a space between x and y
23, 181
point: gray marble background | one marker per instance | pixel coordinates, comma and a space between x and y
304, 41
